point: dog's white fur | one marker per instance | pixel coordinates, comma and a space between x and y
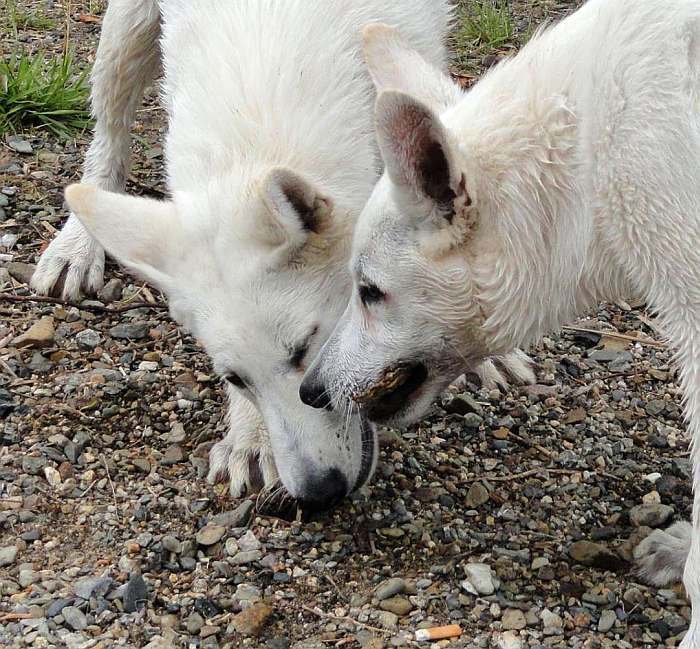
569, 175
267, 100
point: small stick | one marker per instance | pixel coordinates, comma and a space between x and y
546, 452
9, 297
15, 616
111, 484
519, 476
344, 618
90, 486
613, 334
330, 579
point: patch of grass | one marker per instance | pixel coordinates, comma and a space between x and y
19, 19
41, 92
485, 24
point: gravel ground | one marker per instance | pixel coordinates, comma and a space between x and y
510, 514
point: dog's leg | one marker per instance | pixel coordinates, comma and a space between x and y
671, 284
244, 457
127, 59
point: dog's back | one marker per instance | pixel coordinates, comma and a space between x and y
280, 82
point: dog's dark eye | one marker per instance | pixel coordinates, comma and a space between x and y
235, 380
370, 294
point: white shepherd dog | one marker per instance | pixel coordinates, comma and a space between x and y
270, 156
569, 175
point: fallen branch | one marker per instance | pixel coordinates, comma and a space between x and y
9, 297
520, 476
344, 618
613, 334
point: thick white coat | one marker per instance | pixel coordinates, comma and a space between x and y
268, 101
575, 173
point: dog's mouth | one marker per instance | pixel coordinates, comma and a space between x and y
393, 392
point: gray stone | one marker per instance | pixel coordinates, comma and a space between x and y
38, 364
552, 623
248, 542
463, 404
479, 579
194, 623
111, 291
509, 641
513, 620
88, 587
19, 145
87, 339
8, 554
476, 496
652, 515
607, 621
389, 588
388, 620
171, 544
74, 618
34, 465
235, 518
27, 577
130, 330
247, 593
242, 558
57, 606
136, 593
210, 534
20, 271
173, 455
398, 605
472, 421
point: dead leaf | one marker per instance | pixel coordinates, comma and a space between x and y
89, 18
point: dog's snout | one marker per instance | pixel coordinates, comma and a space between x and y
313, 393
321, 492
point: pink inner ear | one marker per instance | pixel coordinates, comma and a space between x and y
408, 132
419, 157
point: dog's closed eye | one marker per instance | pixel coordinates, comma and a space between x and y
299, 351
235, 380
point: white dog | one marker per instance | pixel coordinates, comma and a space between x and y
569, 175
270, 156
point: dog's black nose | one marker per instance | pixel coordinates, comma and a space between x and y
313, 393
323, 491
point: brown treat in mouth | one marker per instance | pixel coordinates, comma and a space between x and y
392, 378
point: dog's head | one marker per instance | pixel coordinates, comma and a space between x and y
257, 272
412, 323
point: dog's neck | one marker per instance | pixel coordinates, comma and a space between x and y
531, 252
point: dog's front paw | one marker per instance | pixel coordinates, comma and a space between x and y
514, 368
247, 469
661, 556
74, 259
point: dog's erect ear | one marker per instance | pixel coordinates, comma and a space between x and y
297, 208
417, 152
140, 233
394, 65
